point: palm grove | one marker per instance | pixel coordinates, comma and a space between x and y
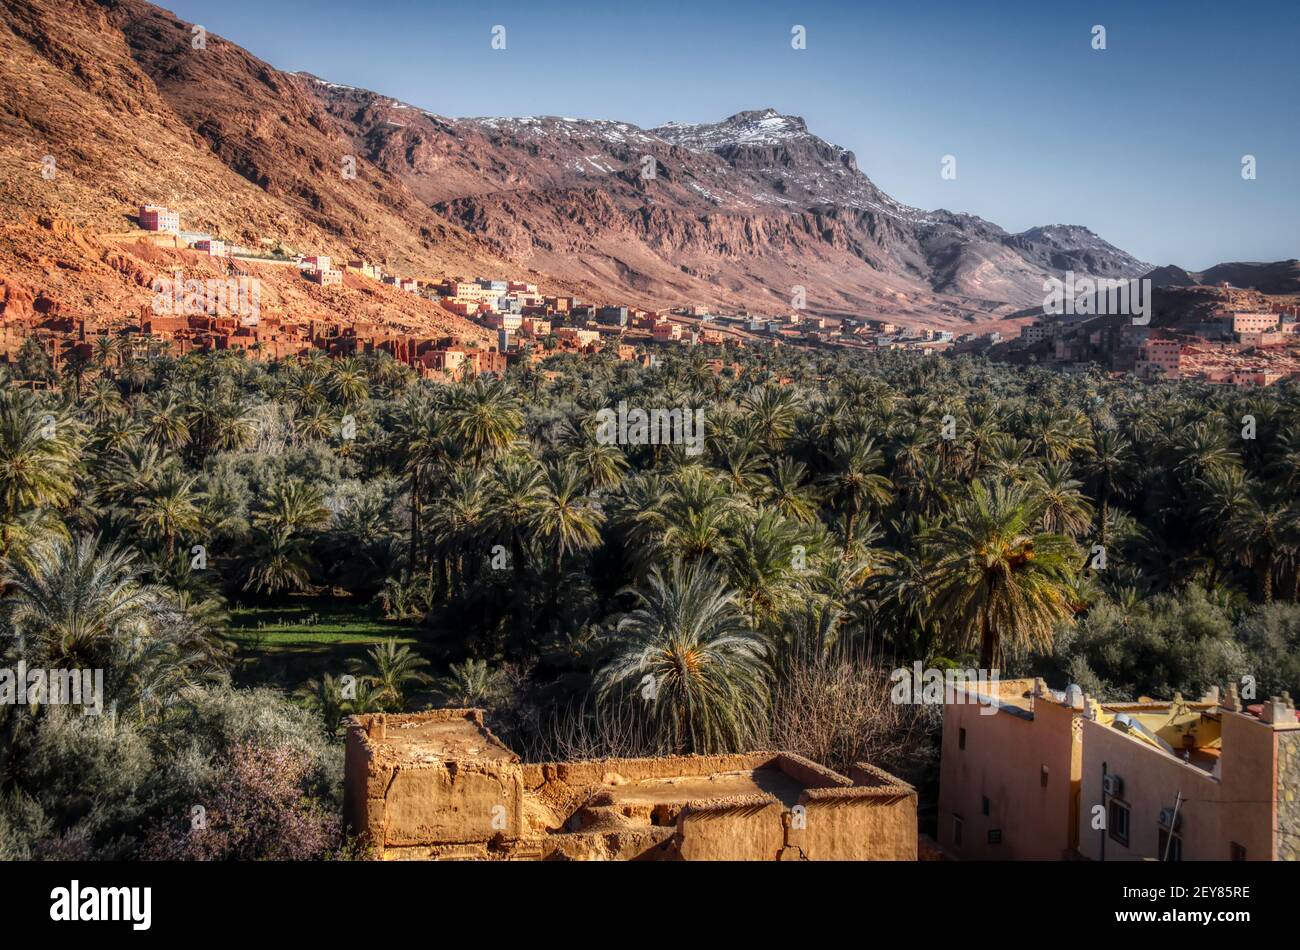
849, 514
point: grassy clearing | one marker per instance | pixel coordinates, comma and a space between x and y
287, 644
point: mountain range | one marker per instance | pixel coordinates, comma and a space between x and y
733, 214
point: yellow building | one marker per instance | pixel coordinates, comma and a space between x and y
1191, 781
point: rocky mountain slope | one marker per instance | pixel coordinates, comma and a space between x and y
731, 213
105, 106
737, 213
1275, 277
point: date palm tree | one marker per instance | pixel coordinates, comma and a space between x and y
1109, 460
471, 683
997, 576
279, 561
516, 494
102, 400
348, 383
772, 410
602, 465
423, 443
485, 417
168, 507
765, 563
1065, 508
325, 696
1200, 449
1060, 436
293, 507
391, 670
694, 517
741, 469
315, 423
39, 458
788, 492
855, 481
76, 601
167, 423
458, 522
108, 353
566, 520
1260, 535
685, 659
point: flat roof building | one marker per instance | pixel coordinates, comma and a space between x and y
1192, 781
440, 785
1031, 774
158, 218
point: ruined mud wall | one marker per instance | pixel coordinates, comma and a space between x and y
439, 785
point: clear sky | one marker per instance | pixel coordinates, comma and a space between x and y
1142, 142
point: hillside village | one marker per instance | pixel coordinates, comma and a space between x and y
1225, 335
1217, 334
518, 321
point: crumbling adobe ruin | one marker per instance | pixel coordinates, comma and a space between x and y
440, 785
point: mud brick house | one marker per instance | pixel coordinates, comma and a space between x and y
440, 785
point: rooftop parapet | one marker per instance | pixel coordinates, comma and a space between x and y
439, 784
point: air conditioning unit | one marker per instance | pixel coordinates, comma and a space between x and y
1168, 821
1112, 785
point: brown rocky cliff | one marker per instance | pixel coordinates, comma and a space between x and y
96, 106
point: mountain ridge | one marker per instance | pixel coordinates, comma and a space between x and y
740, 213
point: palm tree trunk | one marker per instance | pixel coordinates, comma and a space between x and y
988, 634
517, 552
1104, 512
415, 522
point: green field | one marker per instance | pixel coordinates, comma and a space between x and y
287, 644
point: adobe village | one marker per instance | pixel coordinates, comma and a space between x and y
1021, 770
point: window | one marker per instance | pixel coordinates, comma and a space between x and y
956, 831
1042, 777
1117, 822
1237, 851
995, 836
961, 738
984, 805
1170, 846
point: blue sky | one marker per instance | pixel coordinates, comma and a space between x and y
1142, 141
